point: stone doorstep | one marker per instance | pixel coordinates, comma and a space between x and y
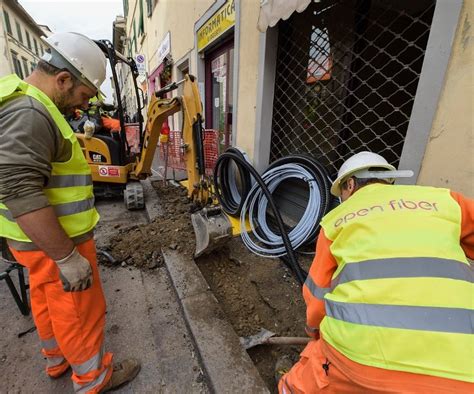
226, 364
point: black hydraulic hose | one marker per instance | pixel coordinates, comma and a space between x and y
286, 241
198, 137
223, 183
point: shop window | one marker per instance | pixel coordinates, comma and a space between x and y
17, 65
18, 32
219, 92
7, 22
319, 60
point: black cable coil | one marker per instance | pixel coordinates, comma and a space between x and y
232, 205
225, 184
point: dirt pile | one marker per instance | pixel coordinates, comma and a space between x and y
140, 245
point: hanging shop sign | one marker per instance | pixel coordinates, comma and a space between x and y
217, 25
164, 48
141, 65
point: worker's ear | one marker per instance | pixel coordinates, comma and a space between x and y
64, 81
351, 186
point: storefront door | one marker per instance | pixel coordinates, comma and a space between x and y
219, 92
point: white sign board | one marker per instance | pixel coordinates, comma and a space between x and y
141, 64
164, 48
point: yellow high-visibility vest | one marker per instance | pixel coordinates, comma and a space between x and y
69, 189
402, 297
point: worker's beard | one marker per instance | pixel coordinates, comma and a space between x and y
64, 103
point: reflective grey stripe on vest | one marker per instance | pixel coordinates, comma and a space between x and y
56, 181
453, 320
315, 290
69, 208
410, 267
90, 365
49, 344
7, 214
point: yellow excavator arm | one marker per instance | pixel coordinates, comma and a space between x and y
158, 111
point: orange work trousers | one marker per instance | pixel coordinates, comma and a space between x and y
70, 324
322, 369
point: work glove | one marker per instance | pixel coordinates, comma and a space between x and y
75, 272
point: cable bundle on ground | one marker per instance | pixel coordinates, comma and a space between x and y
263, 239
257, 200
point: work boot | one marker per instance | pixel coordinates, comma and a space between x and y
282, 366
123, 373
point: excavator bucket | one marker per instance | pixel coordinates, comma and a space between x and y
212, 229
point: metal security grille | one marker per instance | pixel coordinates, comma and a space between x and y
346, 78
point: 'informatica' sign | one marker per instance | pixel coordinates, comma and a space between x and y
217, 25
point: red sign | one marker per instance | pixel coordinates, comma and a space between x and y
109, 171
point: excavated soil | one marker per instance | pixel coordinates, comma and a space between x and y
140, 244
253, 292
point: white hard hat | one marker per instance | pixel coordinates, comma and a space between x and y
79, 55
358, 165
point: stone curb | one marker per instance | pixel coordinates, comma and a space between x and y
227, 365
152, 203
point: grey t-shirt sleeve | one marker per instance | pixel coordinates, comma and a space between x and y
29, 142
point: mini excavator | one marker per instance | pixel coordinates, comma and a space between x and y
116, 169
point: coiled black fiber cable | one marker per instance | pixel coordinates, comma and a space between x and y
240, 160
225, 182
322, 179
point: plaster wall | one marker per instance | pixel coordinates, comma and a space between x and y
449, 158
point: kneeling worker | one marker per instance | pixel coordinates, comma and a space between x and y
389, 294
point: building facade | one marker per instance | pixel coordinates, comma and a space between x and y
20, 42
329, 80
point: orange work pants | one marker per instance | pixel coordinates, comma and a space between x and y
70, 324
322, 369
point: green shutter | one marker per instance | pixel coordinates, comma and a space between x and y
135, 37
141, 23
18, 30
7, 22
149, 7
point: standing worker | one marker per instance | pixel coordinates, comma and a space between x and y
390, 290
47, 210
